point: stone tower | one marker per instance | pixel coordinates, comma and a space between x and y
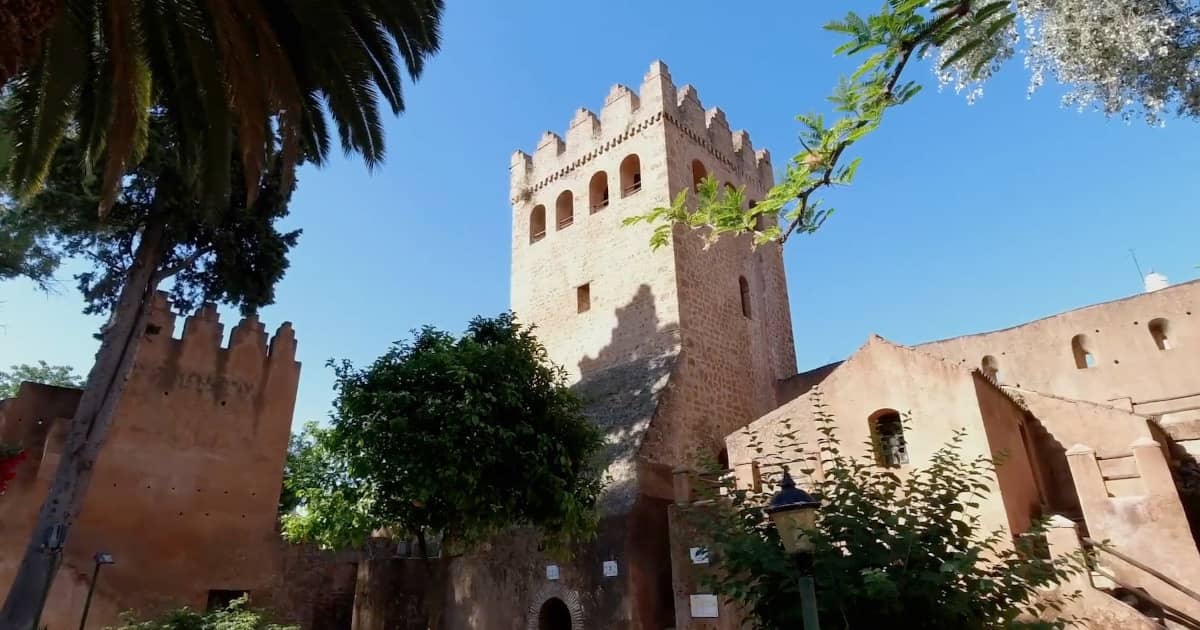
600, 296
671, 349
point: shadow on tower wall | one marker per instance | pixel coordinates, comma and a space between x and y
621, 387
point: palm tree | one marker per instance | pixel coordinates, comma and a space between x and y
221, 70
228, 77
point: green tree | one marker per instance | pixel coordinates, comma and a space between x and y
235, 616
44, 373
891, 38
450, 438
156, 231
886, 548
1122, 57
224, 72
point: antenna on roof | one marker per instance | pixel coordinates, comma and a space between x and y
1141, 276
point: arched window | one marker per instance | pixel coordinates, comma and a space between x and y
760, 220
1081, 348
698, 174
564, 209
887, 432
1158, 330
631, 175
598, 192
537, 224
991, 367
744, 289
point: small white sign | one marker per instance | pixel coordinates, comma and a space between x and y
699, 555
704, 607
551, 571
610, 568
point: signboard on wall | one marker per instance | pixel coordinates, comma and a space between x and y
704, 606
610, 568
551, 571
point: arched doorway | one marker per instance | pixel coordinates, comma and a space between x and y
554, 615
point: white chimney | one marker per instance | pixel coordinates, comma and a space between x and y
1155, 281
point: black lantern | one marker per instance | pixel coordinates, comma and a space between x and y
794, 512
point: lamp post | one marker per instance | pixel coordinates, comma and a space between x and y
794, 513
101, 559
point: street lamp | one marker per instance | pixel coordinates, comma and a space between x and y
101, 558
794, 513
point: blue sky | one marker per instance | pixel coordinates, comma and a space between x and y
963, 219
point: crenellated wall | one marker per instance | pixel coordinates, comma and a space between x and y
185, 492
627, 114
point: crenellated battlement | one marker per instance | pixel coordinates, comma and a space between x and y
627, 113
249, 347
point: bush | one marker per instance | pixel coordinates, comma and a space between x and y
888, 550
236, 616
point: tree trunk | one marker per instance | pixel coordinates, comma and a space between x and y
22, 25
438, 586
89, 428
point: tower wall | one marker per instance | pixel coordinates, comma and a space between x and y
665, 359
633, 306
186, 489
731, 360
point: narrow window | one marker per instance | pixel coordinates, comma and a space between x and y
598, 192
1081, 348
537, 224
583, 298
631, 175
698, 174
1158, 330
991, 367
564, 209
887, 432
744, 288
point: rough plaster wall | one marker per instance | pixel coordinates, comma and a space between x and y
185, 492
1002, 422
494, 588
1129, 366
938, 396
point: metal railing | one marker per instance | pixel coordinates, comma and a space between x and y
1169, 611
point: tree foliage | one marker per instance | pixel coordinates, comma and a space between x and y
235, 255
889, 39
236, 616
461, 437
888, 549
44, 373
450, 440
229, 75
1119, 56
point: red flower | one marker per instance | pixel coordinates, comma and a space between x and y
8, 469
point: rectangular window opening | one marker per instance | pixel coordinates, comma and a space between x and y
583, 298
